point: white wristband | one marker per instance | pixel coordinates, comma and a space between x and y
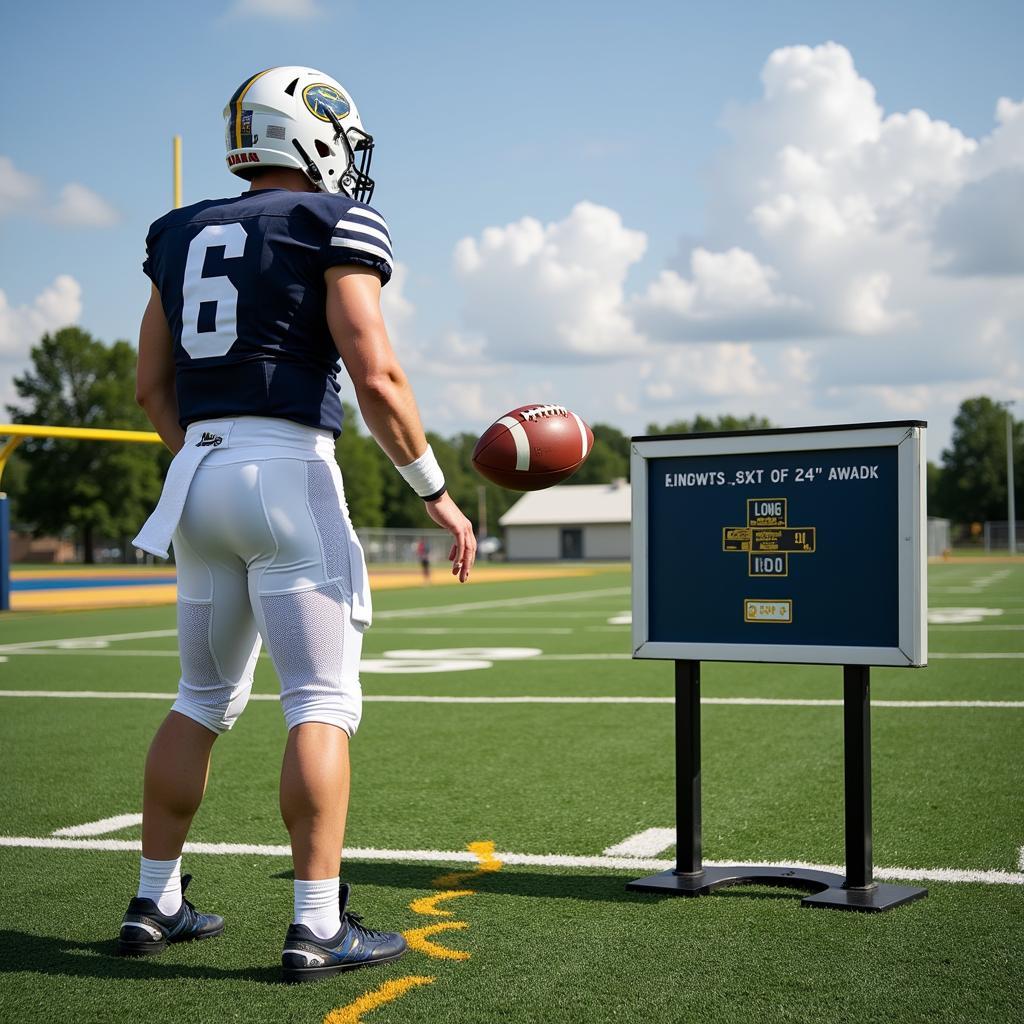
424, 476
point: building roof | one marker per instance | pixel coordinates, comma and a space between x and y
571, 504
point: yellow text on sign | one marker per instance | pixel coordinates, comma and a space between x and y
767, 611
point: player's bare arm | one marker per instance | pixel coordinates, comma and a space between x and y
385, 397
154, 379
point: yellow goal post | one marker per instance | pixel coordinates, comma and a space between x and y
15, 433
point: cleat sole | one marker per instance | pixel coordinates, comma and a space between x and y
126, 947
300, 975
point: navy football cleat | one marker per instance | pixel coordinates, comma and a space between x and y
307, 958
145, 931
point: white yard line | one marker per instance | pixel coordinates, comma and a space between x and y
543, 616
120, 652
112, 652
608, 656
102, 827
106, 638
511, 602
445, 630
933, 626
526, 859
977, 655
395, 613
418, 698
643, 844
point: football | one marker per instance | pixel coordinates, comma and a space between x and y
533, 447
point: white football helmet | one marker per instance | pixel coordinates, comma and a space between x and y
301, 118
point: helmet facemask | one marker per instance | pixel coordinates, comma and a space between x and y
356, 180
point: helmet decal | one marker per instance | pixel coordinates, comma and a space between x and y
321, 97
248, 139
235, 107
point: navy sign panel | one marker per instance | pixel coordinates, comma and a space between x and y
781, 546
242, 286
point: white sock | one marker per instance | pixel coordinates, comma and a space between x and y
160, 881
317, 907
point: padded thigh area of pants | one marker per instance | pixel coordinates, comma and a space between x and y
306, 637
197, 664
316, 651
325, 509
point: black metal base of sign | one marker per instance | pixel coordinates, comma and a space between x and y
828, 889
856, 891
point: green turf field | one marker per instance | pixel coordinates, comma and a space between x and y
551, 935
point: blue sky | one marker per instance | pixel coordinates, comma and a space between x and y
488, 114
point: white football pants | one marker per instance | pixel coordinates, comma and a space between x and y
265, 550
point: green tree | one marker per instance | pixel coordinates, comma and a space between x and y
973, 483
934, 488
359, 457
99, 488
701, 424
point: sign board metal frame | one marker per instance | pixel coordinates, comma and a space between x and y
908, 439
857, 890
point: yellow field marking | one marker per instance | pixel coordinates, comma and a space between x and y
352, 1013
484, 852
417, 939
98, 597
441, 573
80, 598
74, 571
427, 905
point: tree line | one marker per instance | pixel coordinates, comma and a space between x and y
104, 490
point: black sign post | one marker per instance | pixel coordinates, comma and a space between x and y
658, 635
856, 891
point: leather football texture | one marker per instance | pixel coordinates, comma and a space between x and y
533, 447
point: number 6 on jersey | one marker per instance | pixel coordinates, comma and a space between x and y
198, 290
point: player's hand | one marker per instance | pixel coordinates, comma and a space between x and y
449, 516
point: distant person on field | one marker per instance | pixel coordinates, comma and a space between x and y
423, 554
254, 299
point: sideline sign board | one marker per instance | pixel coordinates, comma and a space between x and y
796, 545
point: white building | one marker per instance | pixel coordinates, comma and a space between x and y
569, 521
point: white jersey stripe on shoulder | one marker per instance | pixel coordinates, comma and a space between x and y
362, 229
583, 435
361, 211
518, 432
347, 222
374, 250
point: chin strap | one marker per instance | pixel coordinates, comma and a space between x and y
312, 171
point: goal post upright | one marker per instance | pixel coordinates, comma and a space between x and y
176, 171
15, 433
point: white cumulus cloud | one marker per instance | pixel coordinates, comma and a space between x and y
76, 205
16, 187
553, 292
80, 207
728, 294
290, 10
58, 305
855, 262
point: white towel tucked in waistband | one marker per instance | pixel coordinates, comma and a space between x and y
241, 438
200, 440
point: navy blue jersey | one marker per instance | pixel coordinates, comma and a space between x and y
242, 284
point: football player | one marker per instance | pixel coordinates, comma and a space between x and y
254, 299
